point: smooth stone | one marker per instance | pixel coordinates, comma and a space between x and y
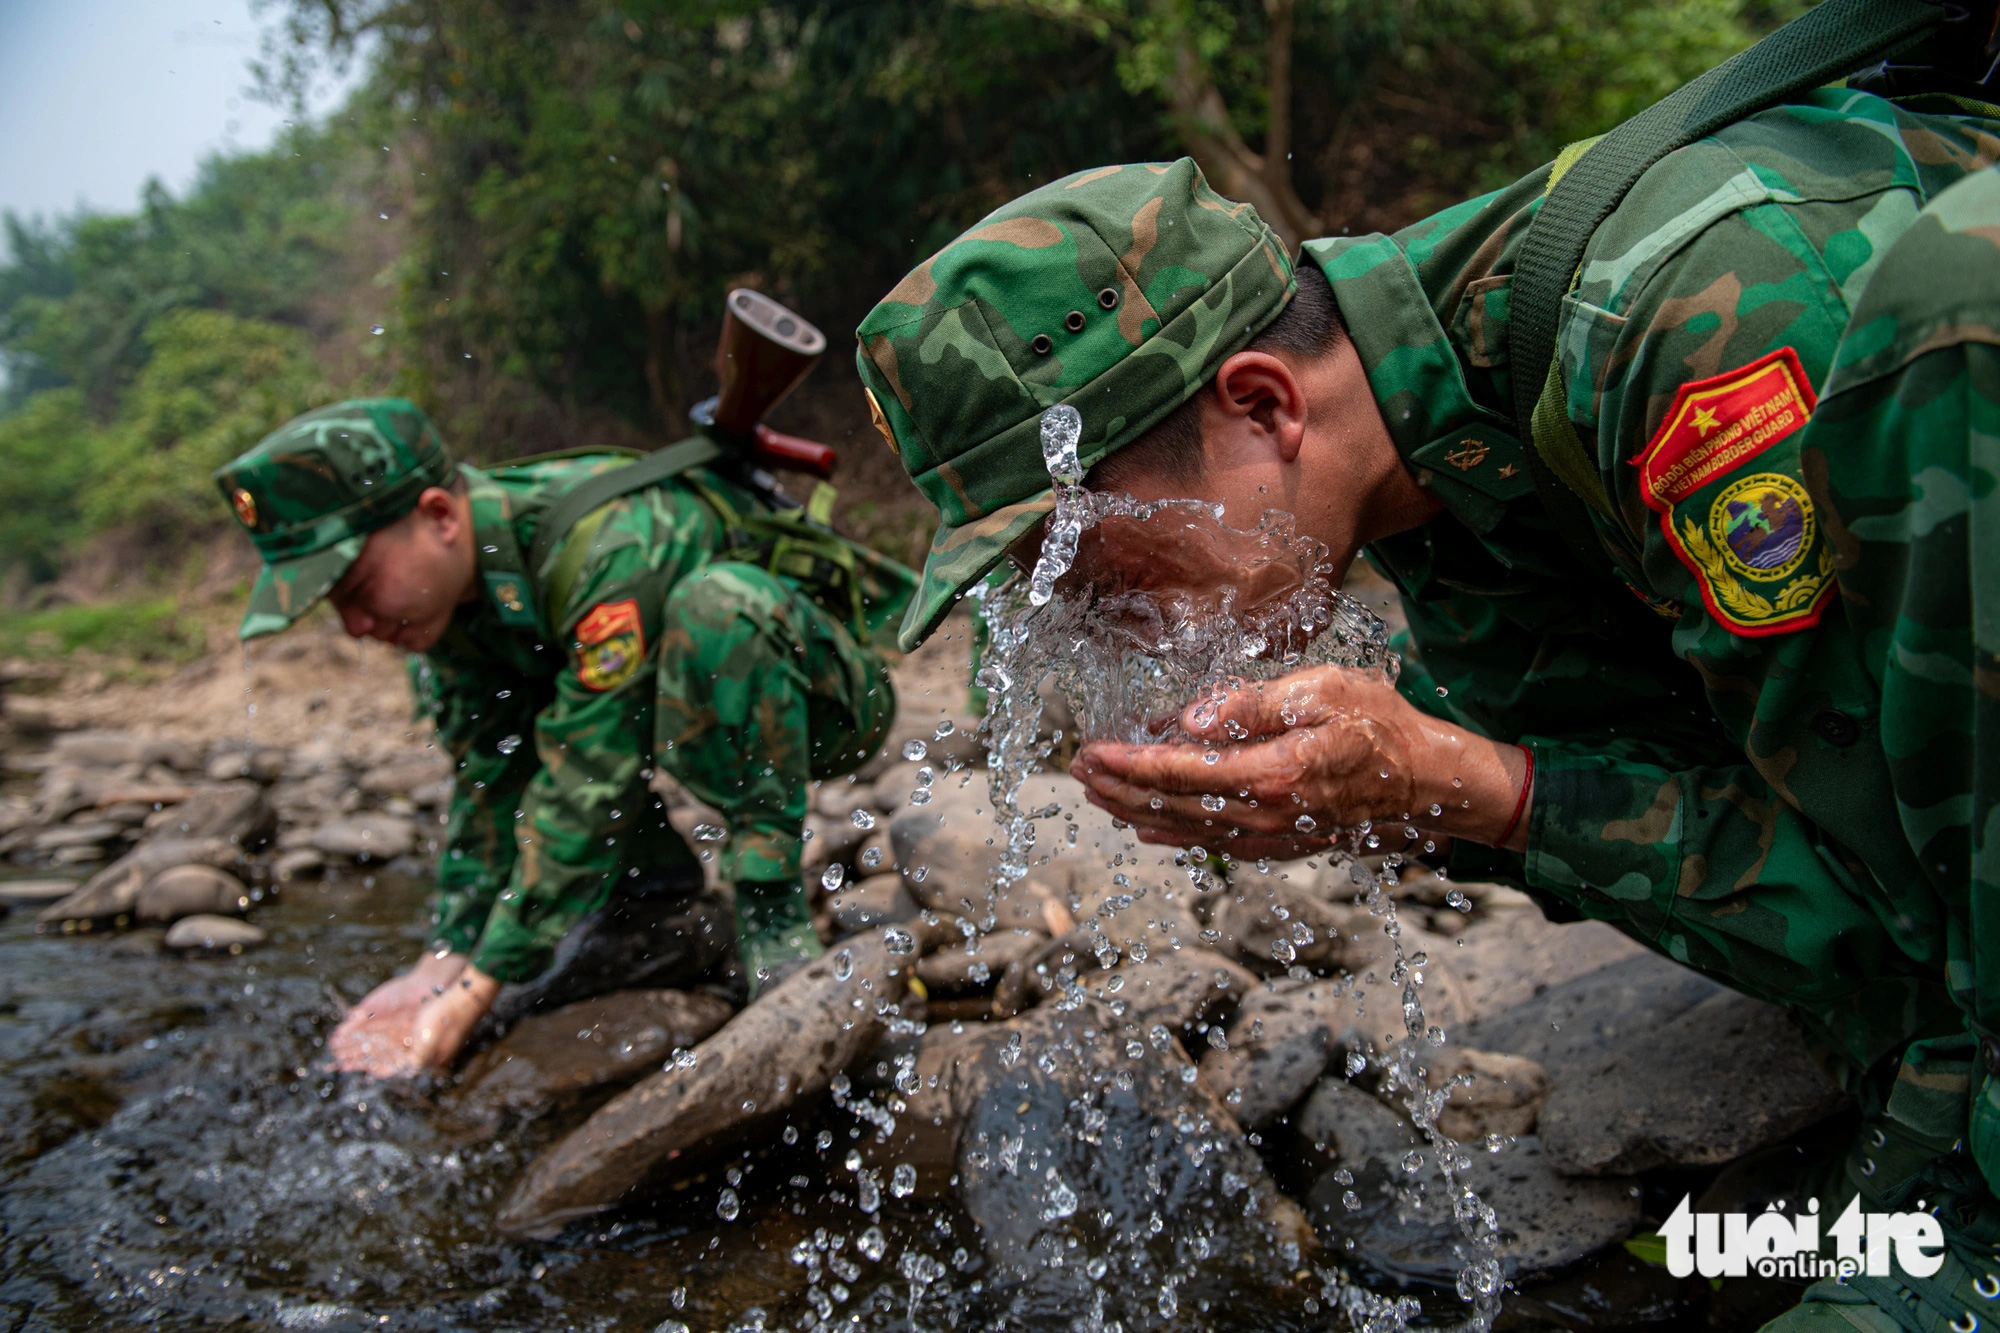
956, 968
1279, 1044
1512, 953
611, 1038
407, 775
233, 811
212, 932
1727, 1077
838, 799
113, 749
318, 758
871, 902
299, 861
1579, 1024
378, 837
1505, 1095
77, 856
26, 891
191, 890
263, 764
1341, 1125
76, 835
112, 891
1547, 1222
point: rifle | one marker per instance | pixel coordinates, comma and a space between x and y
764, 352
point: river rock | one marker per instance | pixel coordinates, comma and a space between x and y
191, 890
375, 837
79, 854
957, 968
263, 763
1271, 924
407, 775
871, 902
233, 811
317, 758
1578, 1025
213, 933
1066, 1137
838, 799
1729, 1076
612, 1038
1504, 1094
1341, 1125
1547, 1222
1513, 953
1279, 1044
113, 749
23, 892
112, 891
786, 1047
83, 834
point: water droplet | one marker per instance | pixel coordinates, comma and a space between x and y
1283, 951
843, 965
1061, 1201
1456, 899
903, 1180
1442, 691
1211, 757
872, 1243
1413, 1161
944, 729
508, 744
899, 941
684, 1057
862, 819
914, 750
1156, 803
376, 329
728, 1206
1212, 803
1356, 1062
1305, 823
833, 876
1351, 1201
921, 796
871, 858
710, 833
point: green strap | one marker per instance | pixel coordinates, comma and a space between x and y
1824, 44
595, 492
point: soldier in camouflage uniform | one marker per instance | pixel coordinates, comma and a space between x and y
638, 642
1745, 730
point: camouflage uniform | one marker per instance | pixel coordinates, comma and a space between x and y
557, 694
1776, 653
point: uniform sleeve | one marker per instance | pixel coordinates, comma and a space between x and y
482, 724
1758, 857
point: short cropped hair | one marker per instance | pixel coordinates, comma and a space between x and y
1308, 327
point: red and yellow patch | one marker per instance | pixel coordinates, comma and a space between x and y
1751, 539
245, 505
610, 644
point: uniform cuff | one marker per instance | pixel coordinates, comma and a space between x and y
509, 951
1604, 831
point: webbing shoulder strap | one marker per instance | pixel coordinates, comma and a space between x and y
1827, 42
575, 503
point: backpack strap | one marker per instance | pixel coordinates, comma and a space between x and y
574, 504
1826, 43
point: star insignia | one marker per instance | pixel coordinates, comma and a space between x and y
1508, 472
1704, 421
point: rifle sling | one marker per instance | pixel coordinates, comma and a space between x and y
592, 494
1824, 44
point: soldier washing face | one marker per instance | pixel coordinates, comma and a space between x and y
1742, 727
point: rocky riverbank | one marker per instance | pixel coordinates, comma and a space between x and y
1113, 1057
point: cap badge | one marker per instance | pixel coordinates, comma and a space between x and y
245, 505
881, 421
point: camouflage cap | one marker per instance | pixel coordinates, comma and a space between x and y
1117, 290
313, 489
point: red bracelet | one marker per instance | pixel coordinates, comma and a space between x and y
1520, 805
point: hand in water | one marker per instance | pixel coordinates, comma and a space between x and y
1300, 757
395, 1028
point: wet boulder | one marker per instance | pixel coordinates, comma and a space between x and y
1273, 923
550, 1058
1277, 1047
379, 837
259, 763
1074, 1129
785, 1048
1383, 1217
1579, 1024
1727, 1077
406, 775
970, 966
28, 892
875, 901
212, 934
1341, 1125
113, 891
191, 890
233, 811
1498, 1094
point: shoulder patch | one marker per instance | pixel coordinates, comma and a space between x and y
610, 644
1748, 535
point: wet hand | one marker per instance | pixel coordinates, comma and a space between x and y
381, 1026
1285, 763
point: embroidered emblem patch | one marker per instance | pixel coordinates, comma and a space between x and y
245, 505
610, 644
881, 420
511, 598
1750, 539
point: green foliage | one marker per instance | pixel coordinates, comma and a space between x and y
150, 630
45, 448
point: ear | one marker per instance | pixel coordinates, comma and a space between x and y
1259, 397
440, 510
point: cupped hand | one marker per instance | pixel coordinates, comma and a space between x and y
1283, 764
381, 1030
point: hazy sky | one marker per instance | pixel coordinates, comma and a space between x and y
98, 95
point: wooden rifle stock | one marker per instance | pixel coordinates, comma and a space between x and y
764, 352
